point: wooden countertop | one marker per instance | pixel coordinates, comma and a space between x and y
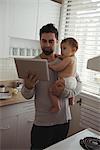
18, 98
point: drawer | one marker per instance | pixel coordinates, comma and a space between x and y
16, 109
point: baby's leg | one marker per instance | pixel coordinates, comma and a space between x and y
55, 103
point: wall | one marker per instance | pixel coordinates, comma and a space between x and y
7, 69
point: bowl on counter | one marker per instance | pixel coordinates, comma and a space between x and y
2, 88
4, 92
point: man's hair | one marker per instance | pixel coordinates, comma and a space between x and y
71, 41
49, 28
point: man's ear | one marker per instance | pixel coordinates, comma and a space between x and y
57, 41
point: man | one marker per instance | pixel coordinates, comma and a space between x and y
48, 127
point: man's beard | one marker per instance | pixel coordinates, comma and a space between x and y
47, 51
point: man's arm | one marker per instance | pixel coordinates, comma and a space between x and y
27, 93
59, 89
28, 89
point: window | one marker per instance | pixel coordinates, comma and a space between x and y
81, 19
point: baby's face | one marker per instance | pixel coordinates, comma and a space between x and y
66, 50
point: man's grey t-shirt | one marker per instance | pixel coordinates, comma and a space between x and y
43, 115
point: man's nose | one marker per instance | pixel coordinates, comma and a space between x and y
47, 44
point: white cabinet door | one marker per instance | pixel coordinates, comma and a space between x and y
4, 29
15, 126
28, 16
49, 12
24, 130
8, 131
23, 18
18, 18
75, 122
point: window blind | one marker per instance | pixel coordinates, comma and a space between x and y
81, 19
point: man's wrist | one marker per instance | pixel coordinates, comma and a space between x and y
28, 89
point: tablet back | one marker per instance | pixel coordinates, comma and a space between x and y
35, 66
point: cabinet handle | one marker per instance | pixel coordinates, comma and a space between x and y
80, 101
2, 128
29, 121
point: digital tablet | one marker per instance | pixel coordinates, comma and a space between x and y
32, 65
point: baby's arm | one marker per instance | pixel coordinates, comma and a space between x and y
61, 65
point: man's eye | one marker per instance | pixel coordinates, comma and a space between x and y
64, 48
44, 41
51, 41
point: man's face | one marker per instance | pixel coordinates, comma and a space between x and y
48, 43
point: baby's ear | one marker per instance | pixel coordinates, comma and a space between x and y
74, 49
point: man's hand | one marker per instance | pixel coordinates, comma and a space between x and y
58, 87
50, 66
30, 80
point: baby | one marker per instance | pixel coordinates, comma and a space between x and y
66, 69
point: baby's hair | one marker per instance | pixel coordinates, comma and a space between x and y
71, 41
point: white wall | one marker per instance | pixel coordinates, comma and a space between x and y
7, 69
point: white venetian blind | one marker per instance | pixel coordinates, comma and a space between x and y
81, 19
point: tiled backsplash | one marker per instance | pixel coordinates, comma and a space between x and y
7, 69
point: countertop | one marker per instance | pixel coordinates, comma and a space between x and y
72, 143
17, 98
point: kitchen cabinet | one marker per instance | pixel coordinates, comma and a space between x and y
4, 29
8, 127
23, 14
8, 131
15, 125
85, 113
17, 19
75, 121
48, 12
30, 15
23, 19
25, 122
